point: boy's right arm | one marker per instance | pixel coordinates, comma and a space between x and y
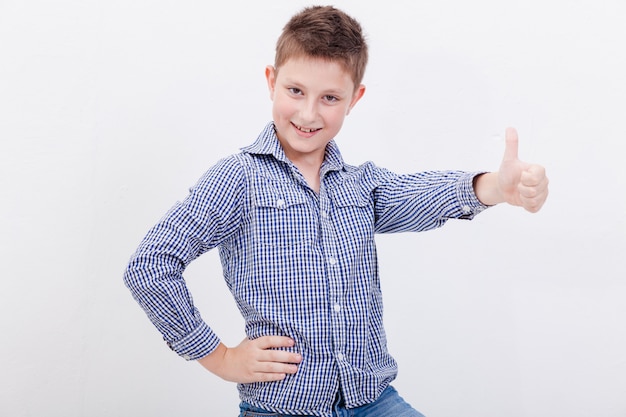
154, 276
258, 360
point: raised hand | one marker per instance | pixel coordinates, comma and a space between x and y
520, 183
258, 360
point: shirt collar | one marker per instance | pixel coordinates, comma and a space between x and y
267, 144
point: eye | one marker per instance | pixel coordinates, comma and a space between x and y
295, 91
331, 99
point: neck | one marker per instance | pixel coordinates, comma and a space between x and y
311, 172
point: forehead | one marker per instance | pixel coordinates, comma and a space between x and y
316, 71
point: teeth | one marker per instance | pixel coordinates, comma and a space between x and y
305, 130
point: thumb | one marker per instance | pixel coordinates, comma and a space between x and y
511, 145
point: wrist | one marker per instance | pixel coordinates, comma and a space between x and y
487, 189
213, 361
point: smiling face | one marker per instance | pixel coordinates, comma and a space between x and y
311, 97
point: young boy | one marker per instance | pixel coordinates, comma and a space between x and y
295, 228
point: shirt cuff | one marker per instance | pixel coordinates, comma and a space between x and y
469, 204
197, 344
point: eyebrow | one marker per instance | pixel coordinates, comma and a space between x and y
332, 91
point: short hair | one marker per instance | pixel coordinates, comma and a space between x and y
324, 32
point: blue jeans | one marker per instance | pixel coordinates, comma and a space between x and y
389, 404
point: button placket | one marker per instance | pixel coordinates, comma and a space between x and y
334, 276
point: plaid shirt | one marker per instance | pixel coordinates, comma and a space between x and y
298, 263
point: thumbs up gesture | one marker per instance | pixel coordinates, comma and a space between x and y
516, 182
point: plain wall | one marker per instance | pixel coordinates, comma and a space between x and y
110, 110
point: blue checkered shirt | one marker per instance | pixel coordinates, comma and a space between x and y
298, 263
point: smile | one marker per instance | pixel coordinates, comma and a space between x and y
306, 130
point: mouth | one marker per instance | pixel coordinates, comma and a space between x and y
306, 129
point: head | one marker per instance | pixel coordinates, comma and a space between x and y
316, 80
327, 33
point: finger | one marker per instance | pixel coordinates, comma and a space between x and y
269, 342
534, 175
533, 198
533, 205
276, 368
533, 188
280, 356
511, 145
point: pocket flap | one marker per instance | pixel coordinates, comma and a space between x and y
270, 194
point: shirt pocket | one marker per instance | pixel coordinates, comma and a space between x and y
282, 217
353, 213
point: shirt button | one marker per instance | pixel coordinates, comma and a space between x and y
337, 308
280, 203
466, 209
324, 214
186, 357
339, 356
332, 260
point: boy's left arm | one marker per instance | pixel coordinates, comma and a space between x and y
516, 182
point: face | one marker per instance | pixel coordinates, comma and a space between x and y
311, 97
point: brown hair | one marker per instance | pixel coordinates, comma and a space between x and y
324, 32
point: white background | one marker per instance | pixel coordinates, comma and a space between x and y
109, 110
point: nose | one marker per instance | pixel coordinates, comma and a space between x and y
308, 110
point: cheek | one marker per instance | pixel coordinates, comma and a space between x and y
336, 116
282, 107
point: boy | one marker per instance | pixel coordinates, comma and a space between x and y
295, 229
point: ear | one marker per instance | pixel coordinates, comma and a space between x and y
356, 97
270, 76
